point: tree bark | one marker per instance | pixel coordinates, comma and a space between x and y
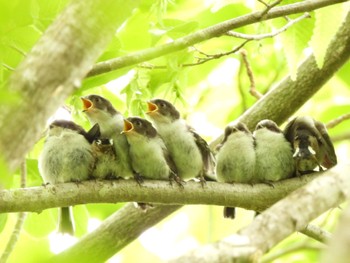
257, 197
54, 68
290, 214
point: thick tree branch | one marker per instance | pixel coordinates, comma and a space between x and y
54, 68
279, 221
208, 33
257, 197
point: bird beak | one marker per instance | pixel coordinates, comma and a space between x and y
128, 126
87, 104
151, 107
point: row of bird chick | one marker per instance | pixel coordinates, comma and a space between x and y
126, 148
268, 154
169, 149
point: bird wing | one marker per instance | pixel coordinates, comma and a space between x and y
207, 155
93, 133
330, 159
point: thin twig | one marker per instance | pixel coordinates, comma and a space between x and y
252, 89
317, 233
208, 57
272, 34
20, 220
337, 121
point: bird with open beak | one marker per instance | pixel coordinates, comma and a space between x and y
274, 154
149, 156
190, 152
235, 158
311, 144
67, 156
100, 110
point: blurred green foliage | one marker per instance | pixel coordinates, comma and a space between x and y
209, 95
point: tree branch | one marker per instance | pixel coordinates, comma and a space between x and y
257, 197
208, 33
54, 68
272, 34
280, 220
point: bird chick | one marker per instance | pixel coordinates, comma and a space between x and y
190, 152
312, 146
100, 110
149, 155
235, 158
274, 155
67, 157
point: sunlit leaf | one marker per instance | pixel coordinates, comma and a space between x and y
328, 20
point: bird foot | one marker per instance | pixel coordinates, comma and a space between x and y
138, 178
174, 177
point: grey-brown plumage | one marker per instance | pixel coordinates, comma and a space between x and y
149, 155
311, 143
235, 158
189, 151
67, 157
100, 110
274, 155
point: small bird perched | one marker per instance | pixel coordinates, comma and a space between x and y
67, 157
274, 154
311, 144
149, 156
189, 151
100, 110
235, 158
103, 150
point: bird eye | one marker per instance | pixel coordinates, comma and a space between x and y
162, 105
51, 126
138, 123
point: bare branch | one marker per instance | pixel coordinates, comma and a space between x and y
317, 233
268, 35
252, 90
337, 121
152, 191
207, 33
200, 60
280, 220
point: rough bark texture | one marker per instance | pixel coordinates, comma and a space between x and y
257, 197
54, 68
290, 214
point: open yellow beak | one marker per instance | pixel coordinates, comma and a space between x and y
151, 107
87, 104
128, 126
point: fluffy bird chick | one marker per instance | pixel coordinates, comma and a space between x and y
311, 143
149, 156
105, 156
235, 158
189, 151
67, 157
100, 110
274, 155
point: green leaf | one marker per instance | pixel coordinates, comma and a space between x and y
328, 20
